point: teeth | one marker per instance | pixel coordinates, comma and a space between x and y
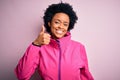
59, 31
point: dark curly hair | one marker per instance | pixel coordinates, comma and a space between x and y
57, 8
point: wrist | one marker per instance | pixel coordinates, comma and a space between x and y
36, 43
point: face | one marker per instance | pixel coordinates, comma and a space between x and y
59, 25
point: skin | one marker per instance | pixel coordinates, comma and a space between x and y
59, 27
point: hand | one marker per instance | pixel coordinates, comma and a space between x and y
43, 38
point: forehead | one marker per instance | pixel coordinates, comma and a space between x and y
61, 17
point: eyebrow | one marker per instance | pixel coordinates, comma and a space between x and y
60, 21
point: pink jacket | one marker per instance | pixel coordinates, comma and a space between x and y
62, 59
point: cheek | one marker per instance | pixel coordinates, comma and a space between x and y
66, 28
53, 26
52, 29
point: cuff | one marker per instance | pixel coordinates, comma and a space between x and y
36, 44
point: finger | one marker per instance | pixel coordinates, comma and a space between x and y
46, 42
43, 29
45, 35
48, 35
46, 39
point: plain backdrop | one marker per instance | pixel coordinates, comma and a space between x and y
98, 28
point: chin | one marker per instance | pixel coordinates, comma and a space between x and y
59, 37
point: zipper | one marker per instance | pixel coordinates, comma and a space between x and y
59, 62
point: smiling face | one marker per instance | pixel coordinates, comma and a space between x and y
59, 25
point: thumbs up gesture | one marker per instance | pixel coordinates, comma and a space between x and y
43, 38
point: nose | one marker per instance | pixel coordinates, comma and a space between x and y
61, 25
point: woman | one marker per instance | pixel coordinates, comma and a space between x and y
56, 56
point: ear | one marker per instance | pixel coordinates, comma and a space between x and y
49, 24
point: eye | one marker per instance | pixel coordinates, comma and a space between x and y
65, 24
57, 22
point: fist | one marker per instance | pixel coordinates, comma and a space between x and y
43, 37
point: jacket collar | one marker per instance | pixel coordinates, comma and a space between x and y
62, 42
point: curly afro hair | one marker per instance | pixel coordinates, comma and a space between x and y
59, 8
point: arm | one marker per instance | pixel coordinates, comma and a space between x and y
30, 60
28, 63
85, 74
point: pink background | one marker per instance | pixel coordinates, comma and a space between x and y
98, 28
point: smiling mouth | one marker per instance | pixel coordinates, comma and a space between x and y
59, 31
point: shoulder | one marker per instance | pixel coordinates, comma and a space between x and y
77, 43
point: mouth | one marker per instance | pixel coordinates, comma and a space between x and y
59, 31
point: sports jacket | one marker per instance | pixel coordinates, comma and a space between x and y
62, 59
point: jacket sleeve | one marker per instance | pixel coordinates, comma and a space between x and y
28, 63
85, 74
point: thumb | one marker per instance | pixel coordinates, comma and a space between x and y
43, 29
